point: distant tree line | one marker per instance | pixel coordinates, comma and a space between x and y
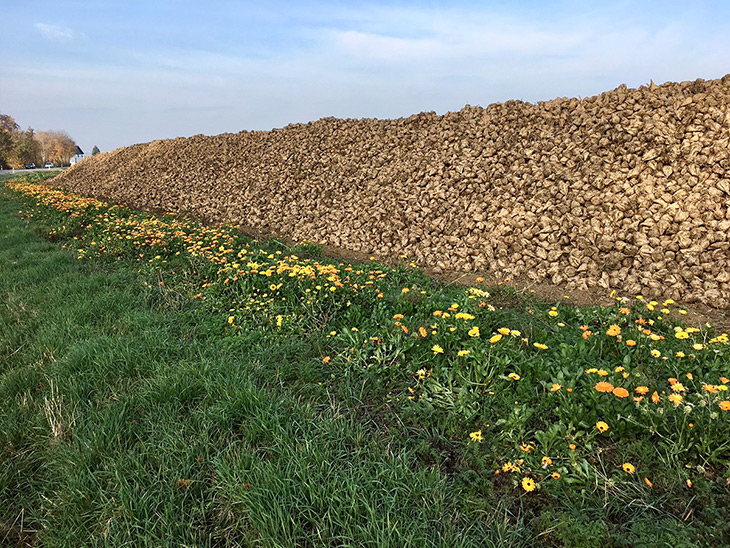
18, 147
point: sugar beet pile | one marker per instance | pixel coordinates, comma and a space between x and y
629, 189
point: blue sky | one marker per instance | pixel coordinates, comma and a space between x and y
114, 73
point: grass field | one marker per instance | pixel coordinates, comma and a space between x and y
165, 383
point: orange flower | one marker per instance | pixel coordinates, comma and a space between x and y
725, 405
675, 398
630, 342
423, 332
620, 392
628, 468
601, 426
648, 483
655, 397
613, 330
642, 390
604, 386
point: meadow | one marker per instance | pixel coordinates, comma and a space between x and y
166, 383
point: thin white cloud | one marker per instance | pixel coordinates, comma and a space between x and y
54, 32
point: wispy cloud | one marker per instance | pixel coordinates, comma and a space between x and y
54, 32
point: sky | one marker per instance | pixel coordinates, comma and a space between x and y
117, 72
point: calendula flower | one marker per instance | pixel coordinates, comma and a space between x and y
526, 447
642, 389
555, 475
546, 461
675, 398
698, 346
528, 484
630, 342
476, 436
510, 467
620, 392
601, 426
624, 310
648, 483
613, 330
655, 397
656, 353
681, 335
495, 338
680, 354
628, 468
725, 405
421, 374
463, 353
474, 332
540, 346
503, 331
514, 376
437, 349
326, 359
553, 313
555, 387
604, 387
405, 290
231, 319
678, 387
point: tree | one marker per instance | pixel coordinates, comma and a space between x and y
24, 148
95, 150
7, 128
55, 146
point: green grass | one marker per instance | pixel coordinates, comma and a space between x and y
133, 412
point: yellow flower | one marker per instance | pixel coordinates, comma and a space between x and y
474, 332
405, 290
681, 335
698, 346
680, 354
546, 461
555, 387
725, 405
601, 426
476, 436
540, 346
613, 330
628, 468
503, 331
515, 333
463, 353
495, 338
630, 342
553, 313
421, 374
230, 319
326, 359
528, 484
656, 353
676, 399
437, 349
555, 475
527, 447
423, 332
514, 376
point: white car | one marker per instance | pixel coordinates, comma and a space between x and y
48, 165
